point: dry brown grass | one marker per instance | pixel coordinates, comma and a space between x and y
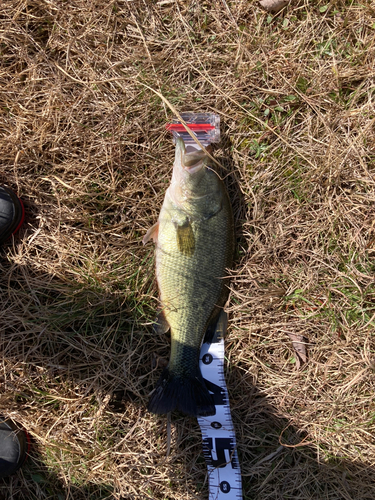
83, 143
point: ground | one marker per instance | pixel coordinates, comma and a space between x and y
83, 142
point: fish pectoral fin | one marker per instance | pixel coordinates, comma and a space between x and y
186, 239
161, 325
152, 234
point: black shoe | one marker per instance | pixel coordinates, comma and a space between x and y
14, 446
12, 213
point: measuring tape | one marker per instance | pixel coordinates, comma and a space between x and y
218, 436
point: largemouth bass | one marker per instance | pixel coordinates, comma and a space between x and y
194, 247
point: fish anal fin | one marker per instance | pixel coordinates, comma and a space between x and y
152, 234
185, 239
217, 328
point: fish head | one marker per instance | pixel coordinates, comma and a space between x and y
192, 178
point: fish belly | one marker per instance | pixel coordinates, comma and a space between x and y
190, 286
192, 289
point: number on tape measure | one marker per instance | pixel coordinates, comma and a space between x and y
219, 395
225, 486
207, 359
218, 437
218, 452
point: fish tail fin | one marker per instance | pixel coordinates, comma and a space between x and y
187, 394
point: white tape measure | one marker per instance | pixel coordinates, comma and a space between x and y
218, 436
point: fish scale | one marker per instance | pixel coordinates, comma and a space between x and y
191, 286
194, 246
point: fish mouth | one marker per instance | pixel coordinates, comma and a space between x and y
194, 168
191, 162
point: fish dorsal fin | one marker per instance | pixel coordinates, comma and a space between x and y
152, 234
185, 239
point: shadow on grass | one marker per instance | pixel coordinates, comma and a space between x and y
35, 481
233, 181
79, 355
67, 349
294, 470
277, 462
268, 471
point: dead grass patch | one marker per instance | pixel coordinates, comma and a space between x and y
83, 142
